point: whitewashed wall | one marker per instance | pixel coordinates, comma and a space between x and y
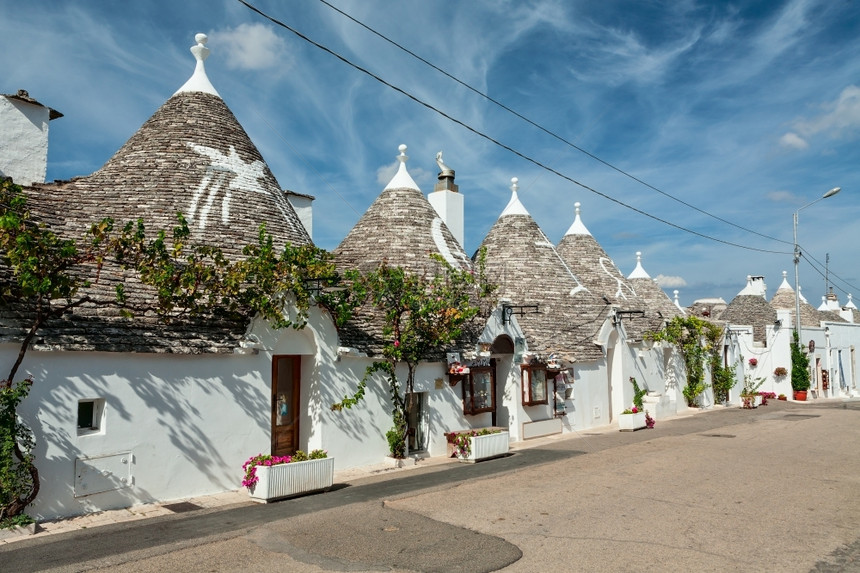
24, 144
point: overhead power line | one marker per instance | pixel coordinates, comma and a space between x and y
546, 130
497, 142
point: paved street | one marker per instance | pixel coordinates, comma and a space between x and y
774, 489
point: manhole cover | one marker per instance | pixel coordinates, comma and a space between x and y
181, 507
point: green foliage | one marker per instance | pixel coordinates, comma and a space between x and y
18, 475
423, 315
20, 520
723, 379
799, 366
638, 394
697, 341
199, 280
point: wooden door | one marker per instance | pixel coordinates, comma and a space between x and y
286, 392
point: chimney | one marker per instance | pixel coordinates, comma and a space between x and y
24, 145
447, 200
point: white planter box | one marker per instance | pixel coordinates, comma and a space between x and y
285, 480
631, 422
488, 446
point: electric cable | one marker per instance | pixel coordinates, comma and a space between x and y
544, 129
499, 143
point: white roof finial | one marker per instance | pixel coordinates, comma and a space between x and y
677, 301
639, 271
199, 82
577, 227
850, 302
402, 179
514, 207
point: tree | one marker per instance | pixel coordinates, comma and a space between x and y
698, 342
46, 276
424, 315
799, 366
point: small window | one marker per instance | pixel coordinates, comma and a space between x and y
534, 385
479, 390
90, 416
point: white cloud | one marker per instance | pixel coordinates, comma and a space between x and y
793, 141
669, 281
252, 47
841, 118
782, 196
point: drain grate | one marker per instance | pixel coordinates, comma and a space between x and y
796, 417
182, 507
719, 435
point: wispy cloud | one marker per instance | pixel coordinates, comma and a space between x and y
252, 47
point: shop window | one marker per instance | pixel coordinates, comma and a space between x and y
479, 390
90, 416
534, 385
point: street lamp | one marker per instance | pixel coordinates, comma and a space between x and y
830, 193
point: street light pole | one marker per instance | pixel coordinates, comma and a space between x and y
797, 327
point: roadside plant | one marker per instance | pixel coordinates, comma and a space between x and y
649, 421
697, 341
780, 371
423, 316
799, 366
462, 441
249, 468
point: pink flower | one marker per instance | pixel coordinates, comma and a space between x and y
396, 343
635, 410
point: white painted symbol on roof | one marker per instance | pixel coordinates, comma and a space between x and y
228, 172
442, 245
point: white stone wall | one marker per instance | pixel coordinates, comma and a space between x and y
24, 144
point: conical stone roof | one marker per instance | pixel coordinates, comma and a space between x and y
753, 310
783, 299
192, 156
587, 260
529, 270
402, 229
650, 291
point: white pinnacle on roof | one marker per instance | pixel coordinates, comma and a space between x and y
677, 302
850, 302
198, 82
577, 227
639, 272
784, 285
800, 294
755, 286
402, 179
514, 206
823, 304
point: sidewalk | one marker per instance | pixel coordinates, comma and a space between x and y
240, 496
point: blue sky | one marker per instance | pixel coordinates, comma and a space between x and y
745, 110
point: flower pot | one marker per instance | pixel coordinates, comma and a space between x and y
285, 480
487, 446
631, 422
800, 395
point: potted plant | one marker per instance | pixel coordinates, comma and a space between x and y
269, 478
799, 370
780, 371
477, 445
633, 418
750, 397
753, 362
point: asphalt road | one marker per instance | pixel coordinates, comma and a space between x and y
773, 489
